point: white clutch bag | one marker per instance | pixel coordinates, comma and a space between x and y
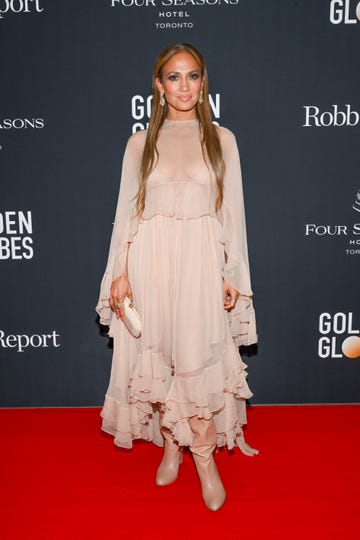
132, 319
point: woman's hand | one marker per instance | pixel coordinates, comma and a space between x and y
120, 288
230, 296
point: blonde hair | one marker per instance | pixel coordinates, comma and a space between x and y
211, 146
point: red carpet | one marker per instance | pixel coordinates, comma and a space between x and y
62, 478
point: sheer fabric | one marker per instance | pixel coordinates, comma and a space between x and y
187, 357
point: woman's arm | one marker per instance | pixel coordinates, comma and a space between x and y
124, 228
120, 288
236, 271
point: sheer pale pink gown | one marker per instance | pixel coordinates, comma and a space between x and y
187, 356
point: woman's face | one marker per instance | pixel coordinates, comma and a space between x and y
181, 82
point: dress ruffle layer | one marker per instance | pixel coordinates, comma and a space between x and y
218, 391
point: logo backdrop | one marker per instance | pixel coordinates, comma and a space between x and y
76, 82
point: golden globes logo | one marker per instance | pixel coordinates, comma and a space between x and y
16, 231
141, 110
339, 337
351, 347
343, 11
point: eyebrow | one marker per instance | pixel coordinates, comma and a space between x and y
178, 72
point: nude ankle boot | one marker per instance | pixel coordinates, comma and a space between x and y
202, 449
168, 469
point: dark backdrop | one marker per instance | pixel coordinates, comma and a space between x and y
285, 78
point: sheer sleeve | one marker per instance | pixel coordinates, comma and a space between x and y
125, 224
236, 269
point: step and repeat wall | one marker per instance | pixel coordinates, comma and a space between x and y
76, 82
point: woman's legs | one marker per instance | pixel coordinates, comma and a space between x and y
202, 449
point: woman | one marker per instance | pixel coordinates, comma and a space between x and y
179, 252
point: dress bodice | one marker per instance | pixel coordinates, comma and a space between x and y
181, 183
180, 154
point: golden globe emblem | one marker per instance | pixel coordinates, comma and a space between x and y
351, 347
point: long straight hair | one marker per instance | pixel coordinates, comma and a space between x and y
210, 140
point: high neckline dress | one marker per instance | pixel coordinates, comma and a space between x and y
187, 358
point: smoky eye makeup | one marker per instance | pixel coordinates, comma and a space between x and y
173, 76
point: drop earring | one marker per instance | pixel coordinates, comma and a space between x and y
201, 97
162, 99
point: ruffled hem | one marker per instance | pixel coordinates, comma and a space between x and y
242, 322
103, 307
181, 397
127, 423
